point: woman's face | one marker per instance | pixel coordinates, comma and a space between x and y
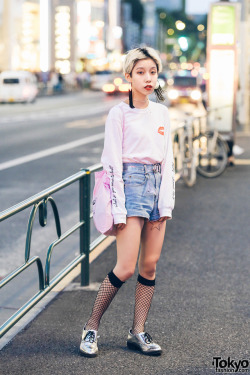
144, 76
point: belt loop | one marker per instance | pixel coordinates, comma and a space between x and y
145, 170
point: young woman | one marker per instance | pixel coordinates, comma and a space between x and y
138, 158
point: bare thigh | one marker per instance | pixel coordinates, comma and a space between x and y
128, 244
152, 238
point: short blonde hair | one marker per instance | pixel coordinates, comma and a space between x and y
137, 54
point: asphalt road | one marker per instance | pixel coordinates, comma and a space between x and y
40, 147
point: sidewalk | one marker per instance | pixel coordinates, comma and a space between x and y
200, 308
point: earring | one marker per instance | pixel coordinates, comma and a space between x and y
130, 98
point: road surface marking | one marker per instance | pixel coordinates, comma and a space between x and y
50, 151
59, 113
86, 123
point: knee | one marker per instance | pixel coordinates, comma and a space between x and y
147, 269
124, 273
148, 273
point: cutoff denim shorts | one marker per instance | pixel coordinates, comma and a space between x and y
141, 186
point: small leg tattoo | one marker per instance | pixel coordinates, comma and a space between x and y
156, 225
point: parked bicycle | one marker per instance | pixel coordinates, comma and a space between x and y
185, 153
213, 148
201, 150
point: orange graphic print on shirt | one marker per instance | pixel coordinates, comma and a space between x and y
161, 130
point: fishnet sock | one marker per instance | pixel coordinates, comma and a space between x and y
105, 295
143, 299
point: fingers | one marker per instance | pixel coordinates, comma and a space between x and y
164, 218
120, 226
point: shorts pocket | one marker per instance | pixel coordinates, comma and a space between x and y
134, 178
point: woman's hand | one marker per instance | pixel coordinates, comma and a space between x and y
163, 218
120, 226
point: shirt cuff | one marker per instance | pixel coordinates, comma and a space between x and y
119, 219
166, 212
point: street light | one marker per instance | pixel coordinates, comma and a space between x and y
183, 42
180, 25
200, 27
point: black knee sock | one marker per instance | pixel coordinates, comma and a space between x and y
143, 297
107, 291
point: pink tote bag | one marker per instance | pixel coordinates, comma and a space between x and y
101, 205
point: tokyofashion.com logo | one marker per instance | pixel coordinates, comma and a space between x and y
230, 365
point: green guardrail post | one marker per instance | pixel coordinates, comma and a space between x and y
84, 198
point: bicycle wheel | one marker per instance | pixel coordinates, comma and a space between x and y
212, 155
189, 164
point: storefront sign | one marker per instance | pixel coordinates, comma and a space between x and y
223, 25
222, 62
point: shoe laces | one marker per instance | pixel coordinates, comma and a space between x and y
90, 337
147, 338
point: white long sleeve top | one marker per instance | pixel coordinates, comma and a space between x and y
135, 135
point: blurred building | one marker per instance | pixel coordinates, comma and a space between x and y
62, 15
131, 29
86, 35
19, 34
113, 34
171, 5
62, 35
149, 24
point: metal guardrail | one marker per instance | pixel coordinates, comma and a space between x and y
40, 202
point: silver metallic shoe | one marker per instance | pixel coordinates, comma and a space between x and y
144, 343
88, 346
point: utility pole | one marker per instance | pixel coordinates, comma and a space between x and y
244, 66
184, 6
244, 110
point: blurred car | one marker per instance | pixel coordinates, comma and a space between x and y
18, 86
117, 85
98, 79
185, 89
